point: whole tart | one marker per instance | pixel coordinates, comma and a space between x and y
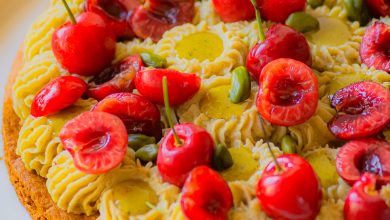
50, 186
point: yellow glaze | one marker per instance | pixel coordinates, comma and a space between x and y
324, 167
216, 104
201, 46
134, 197
343, 80
244, 165
333, 32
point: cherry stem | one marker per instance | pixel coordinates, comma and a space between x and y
278, 167
178, 142
72, 18
259, 21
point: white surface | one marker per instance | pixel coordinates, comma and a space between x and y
15, 18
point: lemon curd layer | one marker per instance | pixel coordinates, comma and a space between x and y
333, 32
243, 165
216, 104
201, 46
134, 197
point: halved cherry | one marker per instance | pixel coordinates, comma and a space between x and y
234, 10
360, 156
363, 110
155, 17
117, 78
288, 92
58, 94
294, 192
206, 195
379, 7
363, 201
375, 46
116, 12
175, 161
97, 141
278, 11
137, 113
182, 86
281, 42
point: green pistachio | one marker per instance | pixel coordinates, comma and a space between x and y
240, 86
222, 158
315, 3
289, 145
357, 11
303, 22
147, 153
136, 141
153, 60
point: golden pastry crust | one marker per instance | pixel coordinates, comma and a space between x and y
30, 188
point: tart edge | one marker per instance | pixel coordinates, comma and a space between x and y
30, 188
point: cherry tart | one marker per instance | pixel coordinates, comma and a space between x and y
375, 46
288, 92
364, 156
363, 110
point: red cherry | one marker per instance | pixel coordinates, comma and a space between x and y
364, 202
281, 42
182, 86
367, 155
137, 113
115, 79
380, 8
97, 141
279, 10
116, 13
175, 162
206, 195
155, 17
234, 10
375, 46
84, 48
288, 92
293, 193
58, 94
364, 110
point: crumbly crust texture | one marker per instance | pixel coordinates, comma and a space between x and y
30, 188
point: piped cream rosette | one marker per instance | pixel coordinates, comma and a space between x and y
202, 49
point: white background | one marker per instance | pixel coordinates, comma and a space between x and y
15, 18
